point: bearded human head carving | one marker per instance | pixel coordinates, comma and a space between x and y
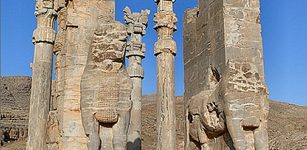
108, 46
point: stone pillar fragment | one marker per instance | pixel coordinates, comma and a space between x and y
43, 39
54, 118
56, 115
225, 93
137, 23
81, 18
165, 51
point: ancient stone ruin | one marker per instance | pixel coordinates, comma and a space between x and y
43, 39
14, 108
91, 101
287, 123
94, 102
225, 93
106, 89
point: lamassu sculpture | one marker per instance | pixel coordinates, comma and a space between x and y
106, 89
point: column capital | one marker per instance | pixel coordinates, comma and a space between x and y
137, 22
45, 8
59, 4
45, 15
165, 45
136, 71
44, 34
135, 48
165, 19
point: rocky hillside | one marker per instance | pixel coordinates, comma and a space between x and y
14, 107
287, 126
287, 122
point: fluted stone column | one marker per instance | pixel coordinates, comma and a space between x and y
137, 23
165, 51
43, 39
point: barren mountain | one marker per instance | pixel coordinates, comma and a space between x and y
14, 107
287, 126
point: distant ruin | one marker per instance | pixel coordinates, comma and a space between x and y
14, 108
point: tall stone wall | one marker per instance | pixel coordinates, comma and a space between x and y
203, 45
225, 93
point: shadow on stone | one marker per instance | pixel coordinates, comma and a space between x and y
136, 145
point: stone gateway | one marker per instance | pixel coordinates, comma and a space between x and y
94, 103
225, 94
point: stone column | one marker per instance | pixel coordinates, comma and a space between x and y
43, 39
137, 23
165, 51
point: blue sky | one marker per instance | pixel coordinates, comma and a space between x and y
284, 25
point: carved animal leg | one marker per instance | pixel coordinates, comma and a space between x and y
261, 134
233, 122
120, 129
106, 136
94, 142
261, 137
91, 127
120, 136
198, 134
236, 132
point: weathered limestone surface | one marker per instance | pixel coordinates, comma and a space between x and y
77, 21
165, 51
225, 93
136, 27
55, 117
67, 126
43, 39
106, 89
